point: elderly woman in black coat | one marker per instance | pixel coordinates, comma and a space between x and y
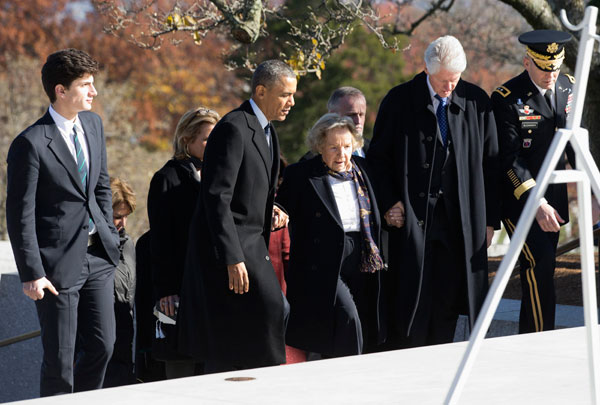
335, 259
172, 197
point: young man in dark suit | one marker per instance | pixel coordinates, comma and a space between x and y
59, 217
231, 311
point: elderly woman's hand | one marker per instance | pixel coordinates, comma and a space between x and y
395, 215
280, 219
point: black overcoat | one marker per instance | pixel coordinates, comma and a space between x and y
172, 198
316, 253
232, 224
400, 156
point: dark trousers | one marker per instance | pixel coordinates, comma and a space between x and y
537, 262
82, 313
350, 302
120, 367
444, 288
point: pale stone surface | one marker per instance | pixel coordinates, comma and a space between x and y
543, 368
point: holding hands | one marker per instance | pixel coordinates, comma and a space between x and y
395, 216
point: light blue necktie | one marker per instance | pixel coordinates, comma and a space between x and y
82, 169
442, 118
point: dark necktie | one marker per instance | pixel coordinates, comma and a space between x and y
82, 169
269, 140
81, 165
548, 97
442, 118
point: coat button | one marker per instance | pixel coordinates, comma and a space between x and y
267, 258
421, 194
420, 223
429, 139
318, 214
425, 165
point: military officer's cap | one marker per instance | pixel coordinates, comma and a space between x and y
546, 48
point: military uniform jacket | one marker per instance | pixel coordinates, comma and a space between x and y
401, 159
526, 126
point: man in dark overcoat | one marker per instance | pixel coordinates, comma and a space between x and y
232, 308
433, 155
529, 109
60, 223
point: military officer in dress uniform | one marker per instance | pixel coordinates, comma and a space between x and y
529, 109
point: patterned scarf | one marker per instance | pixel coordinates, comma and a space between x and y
371, 258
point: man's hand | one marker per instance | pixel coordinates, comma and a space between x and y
167, 304
548, 218
395, 215
238, 278
280, 219
35, 289
489, 234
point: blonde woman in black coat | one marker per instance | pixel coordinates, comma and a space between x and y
335, 259
172, 197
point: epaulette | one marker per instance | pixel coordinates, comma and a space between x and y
504, 92
571, 78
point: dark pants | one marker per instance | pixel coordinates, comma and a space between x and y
350, 302
82, 313
444, 289
537, 262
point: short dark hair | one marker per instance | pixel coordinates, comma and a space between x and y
65, 66
340, 93
270, 71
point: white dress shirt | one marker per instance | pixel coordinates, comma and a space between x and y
65, 127
346, 200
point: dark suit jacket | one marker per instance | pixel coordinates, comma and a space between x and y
232, 224
524, 135
47, 209
316, 254
401, 158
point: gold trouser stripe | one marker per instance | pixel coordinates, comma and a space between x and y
536, 307
526, 185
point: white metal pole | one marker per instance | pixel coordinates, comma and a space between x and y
588, 274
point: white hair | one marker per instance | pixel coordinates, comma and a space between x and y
445, 53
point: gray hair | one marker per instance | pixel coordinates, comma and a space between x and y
341, 93
188, 126
318, 133
445, 53
269, 72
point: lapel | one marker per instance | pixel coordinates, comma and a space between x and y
320, 182
563, 91
259, 140
275, 164
59, 148
423, 103
456, 118
535, 99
